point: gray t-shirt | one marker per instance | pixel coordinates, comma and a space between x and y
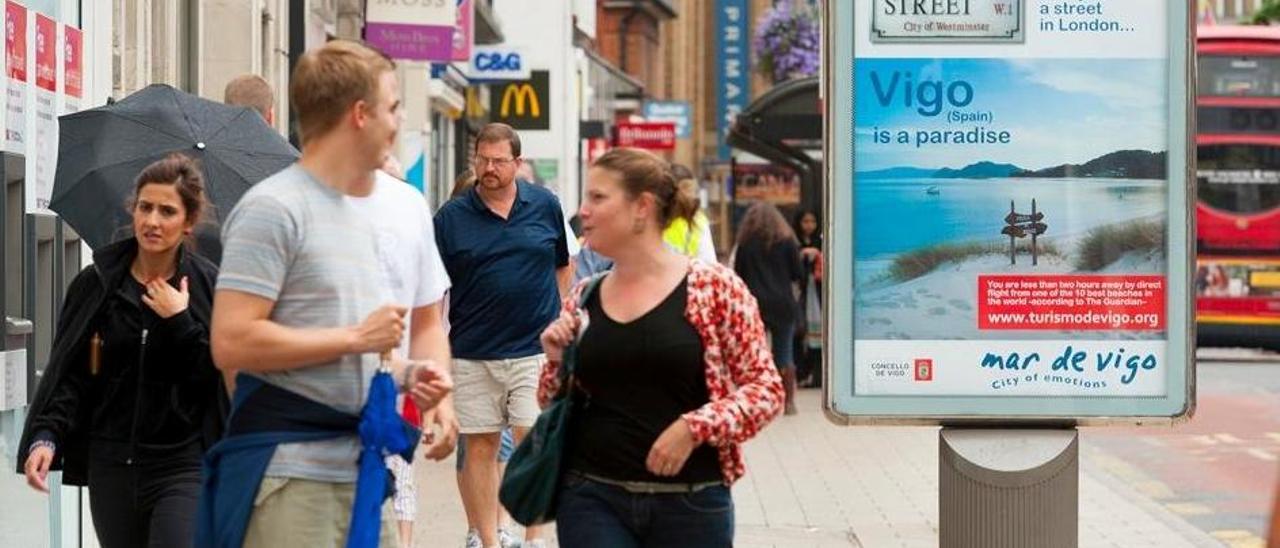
302, 244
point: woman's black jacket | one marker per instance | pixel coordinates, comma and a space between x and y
85, 299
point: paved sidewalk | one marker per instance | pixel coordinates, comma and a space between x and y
812, 484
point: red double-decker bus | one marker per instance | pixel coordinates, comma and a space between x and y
1237, 278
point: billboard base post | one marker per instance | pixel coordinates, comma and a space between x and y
1008, 488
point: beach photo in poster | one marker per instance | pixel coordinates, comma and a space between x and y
1018, 202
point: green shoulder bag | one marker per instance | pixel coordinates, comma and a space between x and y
532, 481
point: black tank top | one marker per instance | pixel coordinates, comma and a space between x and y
639, 377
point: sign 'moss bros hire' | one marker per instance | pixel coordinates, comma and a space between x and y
523, 104
947, 21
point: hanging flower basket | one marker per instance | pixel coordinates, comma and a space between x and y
787, 41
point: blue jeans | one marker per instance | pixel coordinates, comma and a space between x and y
591, 514
780, 344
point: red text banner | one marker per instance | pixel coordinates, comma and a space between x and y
1072, 302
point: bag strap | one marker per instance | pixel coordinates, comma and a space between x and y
571, 351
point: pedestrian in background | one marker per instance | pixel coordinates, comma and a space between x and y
527, 174
505, 248
692, 236
253, 91
673, 374
808, 340
768, 260
414, 276
300, 311
130, 399
461, 185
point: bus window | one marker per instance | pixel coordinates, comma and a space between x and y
1239, 178
1221, 75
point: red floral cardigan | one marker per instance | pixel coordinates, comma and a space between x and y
742, 382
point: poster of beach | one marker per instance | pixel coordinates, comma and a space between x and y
1001, 203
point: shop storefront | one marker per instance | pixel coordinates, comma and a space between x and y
58, 60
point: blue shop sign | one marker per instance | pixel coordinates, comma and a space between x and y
497, 63
676, 112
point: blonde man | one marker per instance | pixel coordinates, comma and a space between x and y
246, 90
300, 312
253, 91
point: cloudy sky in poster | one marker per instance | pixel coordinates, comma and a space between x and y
1056, 110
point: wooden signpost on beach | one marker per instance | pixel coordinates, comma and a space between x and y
1021, 225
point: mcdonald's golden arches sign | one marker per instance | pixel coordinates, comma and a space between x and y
523, 104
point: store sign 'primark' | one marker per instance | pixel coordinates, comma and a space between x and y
947, 20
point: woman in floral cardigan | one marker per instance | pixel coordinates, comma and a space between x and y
673, 374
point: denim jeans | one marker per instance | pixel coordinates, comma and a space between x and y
591, 514
780, 344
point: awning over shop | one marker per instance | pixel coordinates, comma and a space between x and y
661, 9
488, 28
611, 89
785, 126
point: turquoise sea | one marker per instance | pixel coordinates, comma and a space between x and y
892, 216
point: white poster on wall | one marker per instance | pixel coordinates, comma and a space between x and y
45, 152
13, 379
17, 77
72, 69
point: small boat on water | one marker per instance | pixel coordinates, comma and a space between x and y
933, 191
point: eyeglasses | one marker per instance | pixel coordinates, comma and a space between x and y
481, 162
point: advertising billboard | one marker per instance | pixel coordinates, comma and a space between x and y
1008, 223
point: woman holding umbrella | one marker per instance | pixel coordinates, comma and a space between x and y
131, 399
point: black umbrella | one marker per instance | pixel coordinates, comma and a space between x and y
102, 150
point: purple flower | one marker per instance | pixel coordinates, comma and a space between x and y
787, 41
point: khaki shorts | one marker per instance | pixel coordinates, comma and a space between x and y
489, 395
299, 512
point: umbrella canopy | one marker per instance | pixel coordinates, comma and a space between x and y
101, 151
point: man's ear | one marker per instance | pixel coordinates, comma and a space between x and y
359, 114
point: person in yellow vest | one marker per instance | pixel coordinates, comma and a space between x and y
692, 239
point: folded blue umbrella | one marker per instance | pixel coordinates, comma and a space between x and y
382, 432
266, 416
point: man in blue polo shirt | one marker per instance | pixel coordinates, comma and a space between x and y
504, 246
